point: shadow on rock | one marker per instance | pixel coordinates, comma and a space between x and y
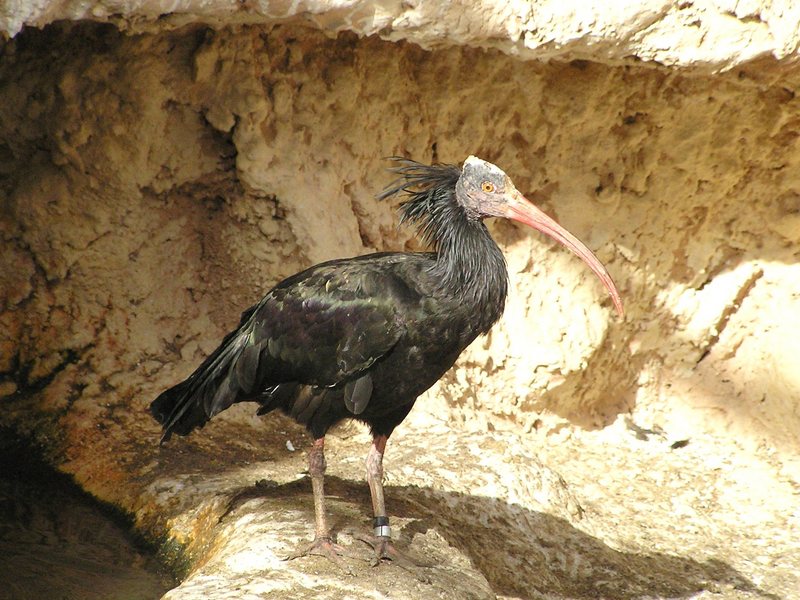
521, 552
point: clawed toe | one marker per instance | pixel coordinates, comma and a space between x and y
385, 551
326, 547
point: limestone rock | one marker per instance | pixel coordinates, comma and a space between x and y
708, 34
157, 181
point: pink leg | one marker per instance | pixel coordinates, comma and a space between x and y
375, 481
323, 543
316, 468
382, 541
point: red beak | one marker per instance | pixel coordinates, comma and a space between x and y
518, 208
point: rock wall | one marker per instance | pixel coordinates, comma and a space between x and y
156, 183
711, 35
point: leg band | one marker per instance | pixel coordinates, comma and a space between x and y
381, 525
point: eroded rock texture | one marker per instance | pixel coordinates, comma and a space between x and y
155, 184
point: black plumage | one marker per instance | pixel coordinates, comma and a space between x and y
363, 337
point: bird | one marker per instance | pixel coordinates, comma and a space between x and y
362, 338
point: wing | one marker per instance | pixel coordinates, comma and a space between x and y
325, 327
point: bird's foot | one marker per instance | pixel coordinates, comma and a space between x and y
385, 551
326, 547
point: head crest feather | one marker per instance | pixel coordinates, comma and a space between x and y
430, 191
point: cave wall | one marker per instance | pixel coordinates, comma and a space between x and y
155, 184
158, 185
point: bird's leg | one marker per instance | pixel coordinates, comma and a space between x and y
323, 544
316, 468
375, 481
382, 542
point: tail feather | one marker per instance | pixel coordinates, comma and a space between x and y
212, 388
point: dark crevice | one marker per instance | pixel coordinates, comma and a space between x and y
730, 310
51, 529
21, 374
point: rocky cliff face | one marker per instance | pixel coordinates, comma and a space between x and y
158, 176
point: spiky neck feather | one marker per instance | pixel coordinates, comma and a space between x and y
469, 265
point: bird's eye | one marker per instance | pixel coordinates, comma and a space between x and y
487, 187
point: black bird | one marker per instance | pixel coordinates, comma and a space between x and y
361, 338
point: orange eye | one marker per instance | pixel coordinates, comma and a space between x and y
487, 187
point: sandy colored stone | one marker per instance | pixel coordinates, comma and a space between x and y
155, 184
707, 34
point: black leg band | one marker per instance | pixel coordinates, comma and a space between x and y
381, 525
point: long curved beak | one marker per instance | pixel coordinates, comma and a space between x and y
519, 208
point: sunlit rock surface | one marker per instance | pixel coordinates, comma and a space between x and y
161, 172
